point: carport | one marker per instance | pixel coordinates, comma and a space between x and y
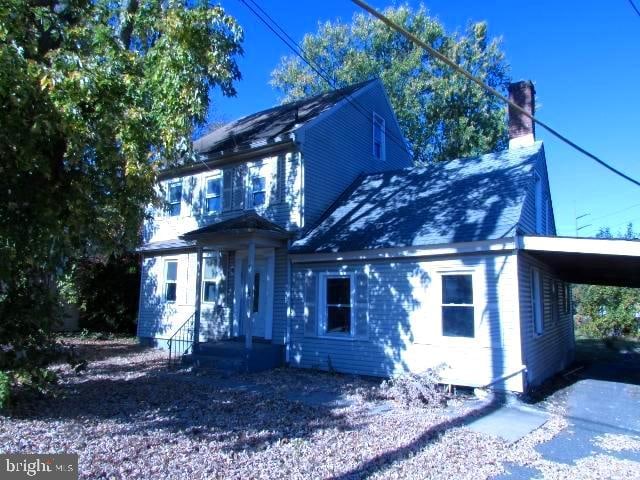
592, 261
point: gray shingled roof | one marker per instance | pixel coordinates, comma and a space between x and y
262, 127
246, 222
463, 200
174, 244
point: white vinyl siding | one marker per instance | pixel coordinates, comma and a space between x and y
400, 327
283, 206
553, 350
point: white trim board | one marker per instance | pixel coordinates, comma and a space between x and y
597, 246
499, 245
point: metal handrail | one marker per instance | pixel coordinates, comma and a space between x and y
182, 340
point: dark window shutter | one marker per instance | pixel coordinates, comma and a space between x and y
310, 311
280, 179
362, 305
227, 189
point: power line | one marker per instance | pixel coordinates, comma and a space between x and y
488, 88
616, 212
633, 5
299, 51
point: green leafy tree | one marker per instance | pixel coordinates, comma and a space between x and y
93, 93
603, 311
442, 115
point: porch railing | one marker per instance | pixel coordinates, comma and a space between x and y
181, 342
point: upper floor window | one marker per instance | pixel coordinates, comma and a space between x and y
458, 312
378, 137
257, 186
213, 195
170, 280
175, 198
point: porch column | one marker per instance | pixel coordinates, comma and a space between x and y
196, 316
249, 290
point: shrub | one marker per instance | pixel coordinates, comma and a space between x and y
106, 292
416, 389
5, 389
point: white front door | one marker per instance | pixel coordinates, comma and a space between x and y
258, 309
262, 306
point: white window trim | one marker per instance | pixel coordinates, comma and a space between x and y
173, 183
383, 147
321, 304
214, 279
207, 196
474, 294
537, 305
165, 282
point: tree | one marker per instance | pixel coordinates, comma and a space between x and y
603, 311
443, 115
93, 93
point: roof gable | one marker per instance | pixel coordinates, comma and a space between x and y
268, 125
463, 200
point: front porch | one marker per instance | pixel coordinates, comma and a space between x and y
234, 298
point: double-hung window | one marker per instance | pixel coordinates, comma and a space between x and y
213, 195
257, 186
170, 280
378, 137
458, 312
210, 278
175, 198
537, 307
337, 292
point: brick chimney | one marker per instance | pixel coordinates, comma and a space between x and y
522, 130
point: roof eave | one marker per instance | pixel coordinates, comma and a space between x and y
210, 160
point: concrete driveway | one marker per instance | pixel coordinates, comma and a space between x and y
603, 403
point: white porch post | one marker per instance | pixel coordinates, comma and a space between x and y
196, 318
249, 290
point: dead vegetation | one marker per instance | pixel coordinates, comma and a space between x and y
130, 418
416, 390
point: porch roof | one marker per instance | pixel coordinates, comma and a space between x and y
593, 261
238, 231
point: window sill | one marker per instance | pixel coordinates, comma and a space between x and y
342, 337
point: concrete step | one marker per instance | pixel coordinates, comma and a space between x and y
230, 358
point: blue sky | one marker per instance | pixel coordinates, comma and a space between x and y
584, 58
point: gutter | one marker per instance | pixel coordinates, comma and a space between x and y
482, 246
216, 159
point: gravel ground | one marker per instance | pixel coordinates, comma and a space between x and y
129, 417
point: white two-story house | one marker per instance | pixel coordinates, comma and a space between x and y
305, 232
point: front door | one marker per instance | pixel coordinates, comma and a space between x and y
262, 304
258, 312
